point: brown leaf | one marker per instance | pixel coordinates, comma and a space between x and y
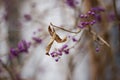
50, 43
54, 37
51, 31
59, 40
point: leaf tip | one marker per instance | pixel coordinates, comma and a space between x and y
47, 53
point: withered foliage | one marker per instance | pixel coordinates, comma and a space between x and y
54, 37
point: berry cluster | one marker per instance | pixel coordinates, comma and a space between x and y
37, 40
59, 52
90, 17
87, 20
21, 48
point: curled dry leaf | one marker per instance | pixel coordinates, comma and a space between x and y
57, 39
51, 31
50, 43
54, 37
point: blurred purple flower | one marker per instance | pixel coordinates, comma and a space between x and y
39, 30
81, 16
27, 17
80, 26
71, 3
34, 32
23, 46
37, 40
97, 49
98, 9
98, 17
111, 16
5, 17
14, 52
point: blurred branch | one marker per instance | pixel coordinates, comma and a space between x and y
65, 29
8, 70
115, 10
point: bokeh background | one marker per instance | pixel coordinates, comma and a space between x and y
29, 20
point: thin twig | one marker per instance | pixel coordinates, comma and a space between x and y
77, 41
115, 10
8, 70
65, 29
100, 38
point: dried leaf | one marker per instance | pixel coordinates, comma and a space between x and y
51, 31
59, 40
54, 37
50, 43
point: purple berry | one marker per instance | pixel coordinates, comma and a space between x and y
97, 49
91, 23
27, 17
74, 39
89, 12
81, 16
86, 23
98, 9
94, 21
56, 60
81, 26
53, 54
93, 13
71, 3
86, 16
23, 46
82, 23
66, 51
64, 46
37, 40
14, 52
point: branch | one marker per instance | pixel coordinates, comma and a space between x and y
65, 29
